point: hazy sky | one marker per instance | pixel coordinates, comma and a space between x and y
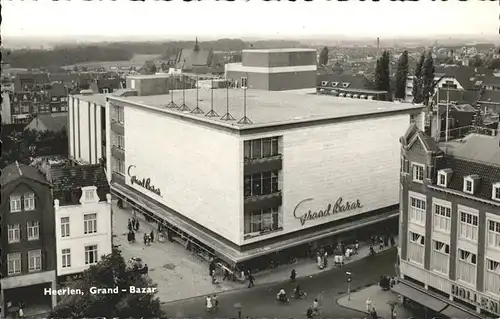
252, 18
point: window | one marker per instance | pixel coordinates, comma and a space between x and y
66, 258
468, 226
324, 83
493, 234
54, 99
91, 255
33, 230
417, 210
261, 148
492, 276
29, 201
440, 257
442, 179
34, 260
418, 172
15, 204
416, 248
466, 266
105, 91
89, 195
264, 183
334, 84
120, 141
118, 165
118, 116
496, 191
14, 233
346, 84
14, 263
90, 223
263, 221
64, 226
244, 82
468, 185
442, 218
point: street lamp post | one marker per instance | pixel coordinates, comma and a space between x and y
349, 279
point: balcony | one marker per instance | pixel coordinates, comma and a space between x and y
118, 152
117, 126
253, 203
257, 165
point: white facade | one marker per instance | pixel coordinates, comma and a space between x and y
76, 230
199, 171
85, 128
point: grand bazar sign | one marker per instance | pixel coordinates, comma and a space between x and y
338, 207
144, 182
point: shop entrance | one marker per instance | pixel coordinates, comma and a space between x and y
31, 299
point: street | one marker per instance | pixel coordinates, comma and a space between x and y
259, 301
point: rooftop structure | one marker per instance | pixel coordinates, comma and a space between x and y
266, 108
475, 147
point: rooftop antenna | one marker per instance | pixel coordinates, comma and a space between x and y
184, 107
212, 113
172, 104
227, 116
197, 109
245, 119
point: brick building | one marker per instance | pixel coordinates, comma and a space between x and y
449, 258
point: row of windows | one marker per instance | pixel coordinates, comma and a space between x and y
18, 202
89, 225
32, 232
117, 165
259, 184
118, 140
91, 256
263, 221
118, 114
261, 148
14, 262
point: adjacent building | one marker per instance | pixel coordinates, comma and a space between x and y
275, 69
28, 259
48, 123
295, 169
449, 256
82, 205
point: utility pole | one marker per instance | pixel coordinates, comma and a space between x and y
447, 111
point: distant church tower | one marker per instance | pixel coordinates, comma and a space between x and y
196, 46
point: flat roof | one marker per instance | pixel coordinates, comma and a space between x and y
92, 98
265, 108
475, 147
281, 50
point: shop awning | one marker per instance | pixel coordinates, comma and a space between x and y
419, 297
454, 312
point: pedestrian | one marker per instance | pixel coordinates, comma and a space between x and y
393, 242
374, 240
309, 313
132, 234
226, 274
212, 274
293, 275
320, 261
208, 303
151, 235
325, 259
145, 269
21, 313
251, 280
136, 224
145, 239
356, 247
341, 260
368, 305
129, 237
315, 306
215, 302
381, 243
129, 225
374, 314
348, 253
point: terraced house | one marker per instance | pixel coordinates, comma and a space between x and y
449, 258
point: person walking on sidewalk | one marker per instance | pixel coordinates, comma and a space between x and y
393, 242
293, 275
129, 225
145, 237
368, 305
251, 280
152, 236
325, 259
381, 243
356, 247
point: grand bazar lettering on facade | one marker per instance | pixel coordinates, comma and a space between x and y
476, 299
338, 207
144, 182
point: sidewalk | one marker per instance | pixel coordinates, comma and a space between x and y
381, 301
180, 274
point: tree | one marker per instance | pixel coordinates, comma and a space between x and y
111, 271
401, 76
427, 77
323, 56
382, 74
417, 81
476, 61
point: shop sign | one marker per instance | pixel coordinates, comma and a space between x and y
73, 277
142, 182
338, 207
476, 299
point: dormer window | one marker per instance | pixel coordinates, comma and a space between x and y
324, 83
496, 191
346, 84
444, 176
470, 184
89, 195
334, 84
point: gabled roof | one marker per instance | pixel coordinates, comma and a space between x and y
457, 96
71, 178
413, 134
17, 170
36, 77
462, 74
187, 58
53, 123
489, 174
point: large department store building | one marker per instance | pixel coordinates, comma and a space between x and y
305, 170
450, 224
